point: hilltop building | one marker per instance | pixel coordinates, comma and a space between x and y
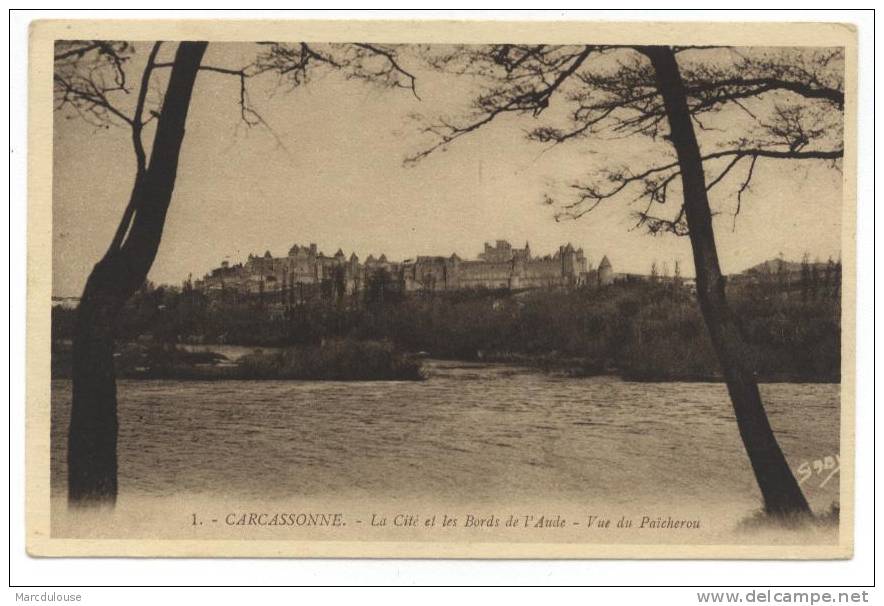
304, 265
498, 266
605, 272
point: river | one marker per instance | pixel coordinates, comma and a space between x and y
478, 434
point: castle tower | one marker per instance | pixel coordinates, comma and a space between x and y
606, 272
568, 258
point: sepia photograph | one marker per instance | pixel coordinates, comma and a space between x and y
444, 291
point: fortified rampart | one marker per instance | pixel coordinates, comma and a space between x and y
499, 266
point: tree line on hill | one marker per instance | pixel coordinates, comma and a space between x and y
641, 330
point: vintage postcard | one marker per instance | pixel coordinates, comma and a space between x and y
441, 289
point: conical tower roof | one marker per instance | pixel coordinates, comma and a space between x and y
605, 262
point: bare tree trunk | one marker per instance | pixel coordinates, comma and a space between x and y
92, 439
779, 489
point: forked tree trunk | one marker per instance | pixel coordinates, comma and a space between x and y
92, 438
779, 489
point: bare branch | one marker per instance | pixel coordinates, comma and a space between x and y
743, 188
86, 74
793, 101
393, 67
138, 145
723, 173
137, 119
77, 51
655, 180
514, 94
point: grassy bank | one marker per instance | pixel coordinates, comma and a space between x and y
334, 360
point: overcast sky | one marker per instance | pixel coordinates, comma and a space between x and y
339, 181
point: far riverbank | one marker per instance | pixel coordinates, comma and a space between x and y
333, 360
343, 359
637, 331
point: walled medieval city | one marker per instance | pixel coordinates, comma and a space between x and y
498, 266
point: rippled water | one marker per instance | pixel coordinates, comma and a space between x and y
476, 433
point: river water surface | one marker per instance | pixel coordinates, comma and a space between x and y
476, 434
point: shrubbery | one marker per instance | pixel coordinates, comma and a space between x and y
641, 330
334, 360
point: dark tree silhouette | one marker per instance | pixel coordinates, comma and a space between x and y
92, 81
92, 441
791, 103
